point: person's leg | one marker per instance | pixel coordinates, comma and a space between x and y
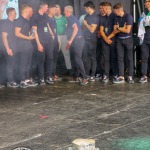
55, 55
66, 53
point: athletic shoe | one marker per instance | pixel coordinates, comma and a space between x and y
92, 79
84, 82
74, 80
119, 80
23, 84
114, 78
105, 79
41, 82
98, 77
12, 84
130, 80
143, 80
49, 80
2, 86
31, 83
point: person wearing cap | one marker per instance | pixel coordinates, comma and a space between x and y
123, 28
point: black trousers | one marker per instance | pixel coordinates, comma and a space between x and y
125, 47
145, 49
24, 58
110, 58
89, 56
55, 55
45, 58
76, 50
99, 57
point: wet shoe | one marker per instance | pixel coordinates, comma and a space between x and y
49, 80
23, 84
31, 83
130, 80
12, 84
98, 77
143, 80
84, 82
2, 86
92, 79
41, 82
119, 80
105, 79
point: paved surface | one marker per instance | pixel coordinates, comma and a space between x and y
51, 117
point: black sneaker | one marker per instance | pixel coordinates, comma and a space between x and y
41, 82
23, 84
105, 79
98, 77
49, 80
130, 80
119, 80
31, 83
143, 80
2, 86
84, 82
12, 84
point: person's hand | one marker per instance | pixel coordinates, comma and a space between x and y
10, 52
31, 37
40, 48
68, 45
108, 41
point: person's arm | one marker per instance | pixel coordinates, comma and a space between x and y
91, 27
21, 36
6, 44
108, 41
74, 33
125, 28
50, 31
39, 45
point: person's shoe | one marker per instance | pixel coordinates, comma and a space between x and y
130, 80
49, 80
92, 79
73, 80
105, 79
114, 78
56, 78
2, 86
98, 77
143, 79
12, 84
31, 83
23, 84
119, 80
41, 82
84, 82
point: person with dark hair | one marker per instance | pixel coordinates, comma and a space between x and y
123, 28
45, 44
90, 25
52, 25
24, 46
75, 44
108, 45
99, 55
9, 42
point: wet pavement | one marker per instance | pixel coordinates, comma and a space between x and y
51, 117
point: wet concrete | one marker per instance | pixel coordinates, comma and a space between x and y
51, 117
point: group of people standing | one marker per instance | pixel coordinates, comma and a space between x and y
33, 41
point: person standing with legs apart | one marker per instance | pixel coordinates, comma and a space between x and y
145, 47
9, 42
108, 45
45, 44
90, 25
123, 29
75, 43
61, 24
24, 46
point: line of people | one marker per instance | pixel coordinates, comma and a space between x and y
102, 43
